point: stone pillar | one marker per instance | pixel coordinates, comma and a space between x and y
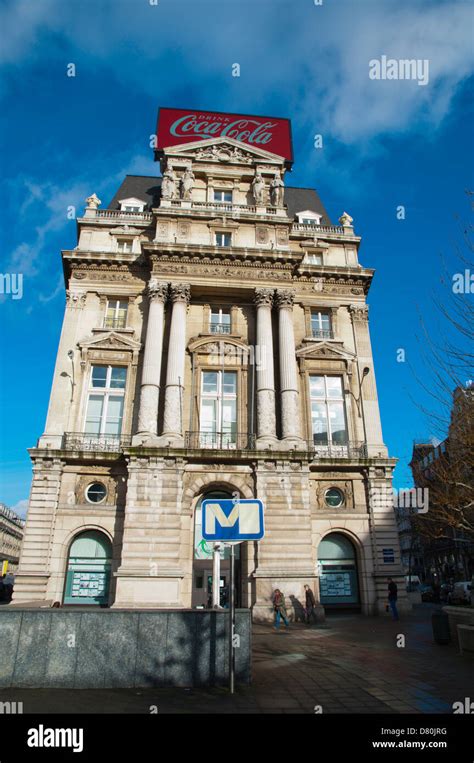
266, 422
172, 420
290, 402
150, 386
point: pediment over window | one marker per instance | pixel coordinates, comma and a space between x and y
109, 347
213, 346
109, 340
324, 351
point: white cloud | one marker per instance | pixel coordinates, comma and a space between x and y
317, 58
21, 508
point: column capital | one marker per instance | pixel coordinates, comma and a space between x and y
263, 297
180, 292
157, 291
284, 298
359, 312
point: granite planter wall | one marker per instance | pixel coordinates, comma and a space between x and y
104, 648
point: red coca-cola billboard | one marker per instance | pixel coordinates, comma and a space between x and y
177, 126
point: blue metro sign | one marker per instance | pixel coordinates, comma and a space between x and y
225, 519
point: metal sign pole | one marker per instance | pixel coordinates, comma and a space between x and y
231, 622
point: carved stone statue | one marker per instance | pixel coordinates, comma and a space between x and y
346, 220
276, 191
168, 185
258, 187
93, 201
187, 183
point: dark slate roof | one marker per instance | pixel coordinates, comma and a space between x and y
301, 199
140, 187
148, 188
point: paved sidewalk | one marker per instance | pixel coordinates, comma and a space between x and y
350, 665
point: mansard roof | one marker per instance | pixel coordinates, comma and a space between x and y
148, 189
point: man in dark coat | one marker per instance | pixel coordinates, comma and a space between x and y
310, 603
392, 598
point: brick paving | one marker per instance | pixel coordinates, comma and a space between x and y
352, 664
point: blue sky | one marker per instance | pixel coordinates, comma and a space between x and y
385, 144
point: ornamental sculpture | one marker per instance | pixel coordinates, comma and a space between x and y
168, 185
187, 183
277, 190
346, 220
93, 201
258, 188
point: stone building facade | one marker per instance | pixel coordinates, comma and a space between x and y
215, 340
11, 534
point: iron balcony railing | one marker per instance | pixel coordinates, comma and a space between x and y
219, 328
219, 440
338, 450
109, 443
322, 333
115, 323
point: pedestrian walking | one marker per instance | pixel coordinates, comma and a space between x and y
392, 598
279, 608
310, 603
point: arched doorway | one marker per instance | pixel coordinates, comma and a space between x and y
202, 562
88, 569
338, 580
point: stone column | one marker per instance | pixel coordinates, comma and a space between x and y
150, 386
290, 402
266, 423
172, 420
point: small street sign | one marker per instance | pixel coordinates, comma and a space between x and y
230, 520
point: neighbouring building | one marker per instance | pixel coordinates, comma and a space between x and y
11, 535
436, 468
215, 343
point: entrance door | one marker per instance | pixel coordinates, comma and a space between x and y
88, 570
338, 581
202, 563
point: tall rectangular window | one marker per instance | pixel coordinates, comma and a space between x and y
223, 239
321, 327
125, 245
224, 196
218, 427
328, 413
116, 314
220, 321
105, 400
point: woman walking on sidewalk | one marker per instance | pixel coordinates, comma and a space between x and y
279, 608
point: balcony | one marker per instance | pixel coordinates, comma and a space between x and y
219, 328
322, 333
121, 214
219, 441
109, 443
115, 323
332, 450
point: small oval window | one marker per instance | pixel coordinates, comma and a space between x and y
96, 492
334, 497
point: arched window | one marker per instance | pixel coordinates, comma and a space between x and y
88, 569
338, 580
